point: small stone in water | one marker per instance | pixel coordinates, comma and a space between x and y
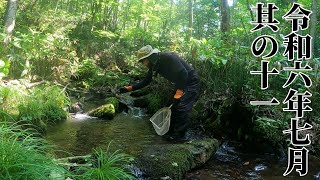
260, 167
246, 163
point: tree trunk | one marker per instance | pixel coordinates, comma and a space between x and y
145, 25
170, 13
10, 19
225, 16
105, 19
125, 16
190, 19
115, 16
313, 25
251, 13
138, 22
93, 13
167, 22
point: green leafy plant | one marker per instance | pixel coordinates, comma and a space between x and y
108, 166
270, 130
10, 97
45, 105
87, 69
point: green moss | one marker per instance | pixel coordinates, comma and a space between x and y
269, 130
155, 103
174, 160
168, 160
106, 111
152, 102
114, 101
111, 78
87, 69
205, 143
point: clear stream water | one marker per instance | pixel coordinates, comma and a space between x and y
133, 132
82, 133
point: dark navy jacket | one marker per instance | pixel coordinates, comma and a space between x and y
171, 67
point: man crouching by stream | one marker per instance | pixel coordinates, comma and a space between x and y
187, 84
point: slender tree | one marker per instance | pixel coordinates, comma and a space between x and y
10, 19
313, 24
190, 19
126, 11
225, 16
251, 13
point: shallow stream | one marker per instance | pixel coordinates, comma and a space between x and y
133, 132
82, 133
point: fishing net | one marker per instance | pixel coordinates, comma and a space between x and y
161, 120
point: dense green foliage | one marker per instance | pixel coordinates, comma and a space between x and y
38, 107
44, 106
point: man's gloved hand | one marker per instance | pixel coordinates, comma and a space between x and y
177, 96
125, 89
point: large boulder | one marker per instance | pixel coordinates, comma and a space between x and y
174, 160
106, 111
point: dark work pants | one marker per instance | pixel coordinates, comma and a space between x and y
180, 117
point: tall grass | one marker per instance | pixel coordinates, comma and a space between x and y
9, 101
44, 103
23, 156
108, 166
39, 106
218, 78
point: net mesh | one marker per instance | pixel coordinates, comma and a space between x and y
161, 120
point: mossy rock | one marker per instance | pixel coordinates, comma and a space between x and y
174, 160
152, 102
106, 111
114, 101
